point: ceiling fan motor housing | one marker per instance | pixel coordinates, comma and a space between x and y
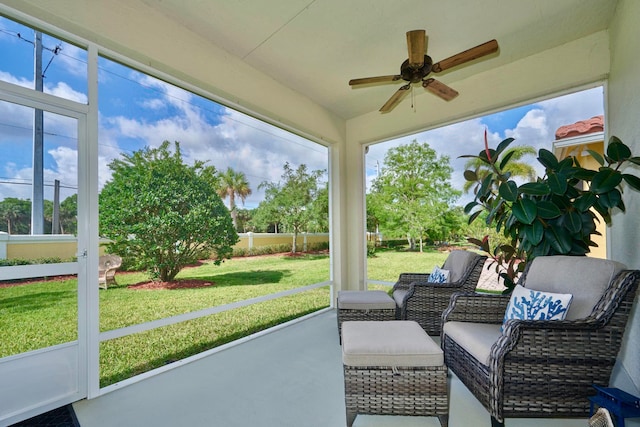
414, 75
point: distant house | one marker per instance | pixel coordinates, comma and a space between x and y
574, 140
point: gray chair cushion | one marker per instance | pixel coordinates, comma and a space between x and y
584, 277
457, 263
365, 300
388, 343
476, 338
398, 296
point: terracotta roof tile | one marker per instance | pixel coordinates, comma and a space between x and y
583, 127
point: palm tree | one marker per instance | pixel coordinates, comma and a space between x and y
516, 168
233, 184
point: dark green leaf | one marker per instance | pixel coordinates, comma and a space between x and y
617, 150
632, 180
496, 210
485, 188
548, 159
548, 210
503, 145
534, 232
605, 180
566, 164
509, 191
561, 201
525, 211
597, 157
584, 174
604, 212
470, 175
535, 188
559, 239
557, 183
506, 159
474, 216
610, 199
469, 206
621, 206
584, 202
614, 139
492, 155
572, 221
635, 160
543, 249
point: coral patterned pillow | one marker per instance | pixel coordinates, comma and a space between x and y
529, 304
438, 275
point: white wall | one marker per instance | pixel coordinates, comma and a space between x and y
623, 110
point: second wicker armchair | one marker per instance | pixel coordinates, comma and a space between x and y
422, 301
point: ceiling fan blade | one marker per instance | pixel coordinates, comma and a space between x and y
466, 56
416, 46
440, 89
369, 80
395, 99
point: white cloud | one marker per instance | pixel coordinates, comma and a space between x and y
63, 90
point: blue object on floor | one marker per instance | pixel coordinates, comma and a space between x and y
619, 403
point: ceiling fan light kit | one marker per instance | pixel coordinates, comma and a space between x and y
419, 65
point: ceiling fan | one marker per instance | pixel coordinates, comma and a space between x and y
419, 65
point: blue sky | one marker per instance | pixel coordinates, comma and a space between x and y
137, 111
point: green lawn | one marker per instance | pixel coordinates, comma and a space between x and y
44, 313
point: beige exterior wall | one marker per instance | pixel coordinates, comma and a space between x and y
63, 250
65, 247
34, 247
249, 240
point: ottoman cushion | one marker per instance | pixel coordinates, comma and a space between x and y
388, 343
365, 300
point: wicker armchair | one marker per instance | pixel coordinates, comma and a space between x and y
541, 368
107, 266
421, 301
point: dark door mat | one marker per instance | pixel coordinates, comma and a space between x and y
63, 416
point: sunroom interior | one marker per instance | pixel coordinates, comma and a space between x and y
288, 62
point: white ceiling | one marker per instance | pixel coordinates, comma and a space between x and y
316, 46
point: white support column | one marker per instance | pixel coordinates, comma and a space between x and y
355, 231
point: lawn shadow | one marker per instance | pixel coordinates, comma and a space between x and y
240, 278
36, 301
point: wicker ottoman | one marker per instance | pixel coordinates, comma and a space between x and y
393, 368
364, 305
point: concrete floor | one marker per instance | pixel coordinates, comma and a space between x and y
291, 377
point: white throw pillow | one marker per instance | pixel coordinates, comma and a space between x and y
529, 304
438, 275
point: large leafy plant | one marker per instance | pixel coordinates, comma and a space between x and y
553, 215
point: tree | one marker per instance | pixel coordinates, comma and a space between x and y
319, 221
69, 215
16, 214
244, 219
162, 214
412, 191
290, 202
233, 184
511, 157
